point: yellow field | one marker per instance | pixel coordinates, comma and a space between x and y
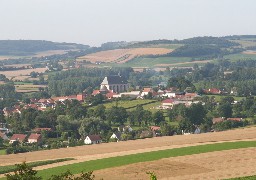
213, 165
122, 55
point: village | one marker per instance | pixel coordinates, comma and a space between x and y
111, 89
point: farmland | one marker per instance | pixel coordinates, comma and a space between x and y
122, 55
163, 153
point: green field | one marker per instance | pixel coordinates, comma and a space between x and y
144, 157
244, 178
236, 57
2, 152
219, 97
10, 168
131, 104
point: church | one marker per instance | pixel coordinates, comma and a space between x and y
115, 83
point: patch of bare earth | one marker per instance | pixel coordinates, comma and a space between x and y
214, 165
250, 52
122, 55
22, 72
99, 151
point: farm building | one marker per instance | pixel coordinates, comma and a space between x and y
92, 139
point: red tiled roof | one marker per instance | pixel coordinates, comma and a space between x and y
19, 137
110, 95
34, 136
217, 120
168, 101
154, 128
94, 137
234, 119
95, 92
147, 89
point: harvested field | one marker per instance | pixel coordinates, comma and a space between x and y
99, 151
213, 165
250, 52
122, 55
23, 72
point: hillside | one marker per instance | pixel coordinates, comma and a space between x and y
122, 55
31, 47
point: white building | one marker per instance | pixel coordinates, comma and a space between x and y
115, 83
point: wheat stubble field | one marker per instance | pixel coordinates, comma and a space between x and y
212, 165
122, 55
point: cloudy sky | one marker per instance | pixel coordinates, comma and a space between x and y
97, 21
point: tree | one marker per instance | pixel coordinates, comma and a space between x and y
225, 110
116, 115
23, 172
158, 117
100, 111
196, 114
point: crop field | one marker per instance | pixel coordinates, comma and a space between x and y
122, 55
241, 56
22, 73
28, 88
124, 159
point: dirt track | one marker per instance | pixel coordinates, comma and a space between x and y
85, 153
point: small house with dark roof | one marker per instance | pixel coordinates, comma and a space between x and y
116, 135
18, 137
93, 139
115, 83
34, 138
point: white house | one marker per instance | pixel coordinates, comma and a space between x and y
34, 138
92, 139
116, 136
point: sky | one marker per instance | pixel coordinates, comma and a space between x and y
94, 22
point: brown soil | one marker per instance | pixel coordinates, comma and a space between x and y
90, 152
23, 72
122, 55
214, 165
250, 52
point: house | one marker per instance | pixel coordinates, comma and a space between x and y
92, 139
115, 83
117, 136
235, 119
155, 128
18, 137
212, 91
217, 120
123, 128
146, 91
167, 103
3, 136
34, 138
132, 94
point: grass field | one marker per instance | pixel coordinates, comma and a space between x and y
131, 105
7, 169
2, 152
144, 157
244, 178
219, 97
240, 56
